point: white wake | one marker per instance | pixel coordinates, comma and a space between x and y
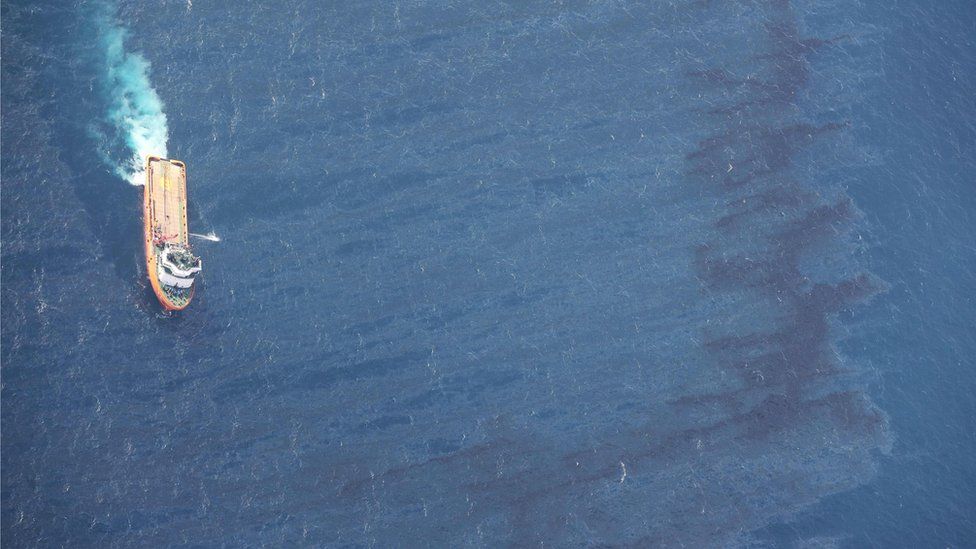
135, 111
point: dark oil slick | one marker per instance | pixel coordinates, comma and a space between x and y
572, 274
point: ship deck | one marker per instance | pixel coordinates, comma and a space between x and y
167, 199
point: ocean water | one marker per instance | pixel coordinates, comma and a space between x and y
689, 273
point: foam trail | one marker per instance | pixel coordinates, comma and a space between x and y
212, 237
135, 111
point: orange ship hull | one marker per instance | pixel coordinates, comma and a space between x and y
164, 212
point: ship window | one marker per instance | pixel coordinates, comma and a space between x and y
184, 277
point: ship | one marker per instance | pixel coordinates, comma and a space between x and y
171, 265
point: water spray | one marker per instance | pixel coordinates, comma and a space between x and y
212, 237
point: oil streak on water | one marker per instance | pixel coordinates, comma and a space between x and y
573, 274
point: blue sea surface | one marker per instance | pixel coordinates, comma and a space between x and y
579, 273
